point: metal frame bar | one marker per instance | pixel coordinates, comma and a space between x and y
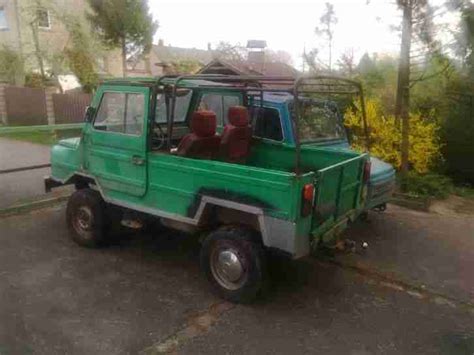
293, 87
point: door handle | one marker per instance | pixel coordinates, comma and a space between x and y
138, 160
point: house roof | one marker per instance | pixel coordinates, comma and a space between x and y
220, 66
168, 54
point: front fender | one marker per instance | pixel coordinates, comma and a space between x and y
65, 158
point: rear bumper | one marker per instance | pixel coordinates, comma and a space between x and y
379, 193
329, 233
50, 183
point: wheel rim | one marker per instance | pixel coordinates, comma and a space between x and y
82, 221
228, 267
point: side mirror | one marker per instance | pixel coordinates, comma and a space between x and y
89, 114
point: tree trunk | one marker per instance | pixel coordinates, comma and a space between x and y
330, 55
38, 53
403, 88
124, 57
330, 46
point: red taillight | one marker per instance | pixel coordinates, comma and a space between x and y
307, 203
366, 175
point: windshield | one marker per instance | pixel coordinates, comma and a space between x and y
183, 99
319, 121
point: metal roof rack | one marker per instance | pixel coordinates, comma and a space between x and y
315, 84
306, 85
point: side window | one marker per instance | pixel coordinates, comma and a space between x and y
134, 114
181, 109
121, 113
267, 124
212, 102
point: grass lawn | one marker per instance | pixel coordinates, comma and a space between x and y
42, 137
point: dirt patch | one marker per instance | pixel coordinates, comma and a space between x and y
453, 205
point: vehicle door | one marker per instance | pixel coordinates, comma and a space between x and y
115, 139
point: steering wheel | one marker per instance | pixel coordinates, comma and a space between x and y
158, 138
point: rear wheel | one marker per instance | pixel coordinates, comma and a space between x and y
235, 264
86, 217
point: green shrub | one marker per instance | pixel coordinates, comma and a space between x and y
427, 185
34, 80
11, 66
458, 136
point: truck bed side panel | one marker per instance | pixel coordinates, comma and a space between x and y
338, 194
176, 185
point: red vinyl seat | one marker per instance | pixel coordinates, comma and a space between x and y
202, 142
237, 135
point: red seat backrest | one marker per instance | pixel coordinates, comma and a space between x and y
202, 142
236, 137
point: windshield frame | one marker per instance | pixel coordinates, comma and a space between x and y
330, 105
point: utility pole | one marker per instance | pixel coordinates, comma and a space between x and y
403, 89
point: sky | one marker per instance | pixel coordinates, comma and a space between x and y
285, 25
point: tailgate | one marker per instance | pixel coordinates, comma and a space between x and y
338, 193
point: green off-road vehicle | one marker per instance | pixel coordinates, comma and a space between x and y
182, 150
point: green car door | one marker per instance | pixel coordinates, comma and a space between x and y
115, 139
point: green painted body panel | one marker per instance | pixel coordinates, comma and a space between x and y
109, 156
126, 171
337, 178
66, 158
176, 183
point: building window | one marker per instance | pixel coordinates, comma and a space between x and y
42, 16
3, 19
101, 64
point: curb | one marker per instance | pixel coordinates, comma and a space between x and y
31, 206
417, 204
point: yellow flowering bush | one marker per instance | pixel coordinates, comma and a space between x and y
385, 137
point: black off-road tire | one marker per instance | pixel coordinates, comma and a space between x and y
86, 218
252, 257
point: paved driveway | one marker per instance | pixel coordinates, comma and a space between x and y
15, 187
146, 293
430, 250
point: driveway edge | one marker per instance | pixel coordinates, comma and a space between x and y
32, 205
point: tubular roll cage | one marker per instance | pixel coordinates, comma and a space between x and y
317, 84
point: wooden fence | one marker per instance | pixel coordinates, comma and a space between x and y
25, 106
22, 106
70, 108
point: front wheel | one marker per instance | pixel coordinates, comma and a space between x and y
235, 264
86, 217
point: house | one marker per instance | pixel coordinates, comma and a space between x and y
29, 28
221, 66
39, 34
163, 58
257, 63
